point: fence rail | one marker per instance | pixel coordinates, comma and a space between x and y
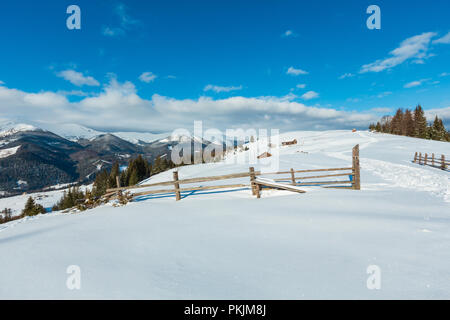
432, 161
255, 185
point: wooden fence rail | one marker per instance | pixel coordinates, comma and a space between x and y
254, 184
436, 162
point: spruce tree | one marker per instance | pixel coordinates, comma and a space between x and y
420, 123
408, 124
134, 179
396, 122
115, 172
32, 208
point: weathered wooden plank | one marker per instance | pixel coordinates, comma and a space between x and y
252, 180
176, 186
317, 183
188, 181
275, 185
293, 177
229, 186
317, 177
356, 168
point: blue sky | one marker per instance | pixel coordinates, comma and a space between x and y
292, 64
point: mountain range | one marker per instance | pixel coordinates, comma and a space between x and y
33, 158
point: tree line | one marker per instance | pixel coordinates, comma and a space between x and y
31, 209
138, 169
412, 124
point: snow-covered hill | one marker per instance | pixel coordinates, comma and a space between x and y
230, 245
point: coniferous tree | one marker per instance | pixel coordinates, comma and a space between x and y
32, 208
134, 179
115, 172
408, 124
412, 125
420, 123
396, 122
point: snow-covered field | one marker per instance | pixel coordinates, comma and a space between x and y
229, 245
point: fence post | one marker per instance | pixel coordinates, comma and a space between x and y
176, 185
432, 159
356, 169
443, 166
415, 158
293, 177
420, 158
426, 158
252, 180
117, 181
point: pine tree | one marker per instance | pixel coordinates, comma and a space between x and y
378, 127
396, 123
420, 123
408, 124
134, 179
115, 171
32, 208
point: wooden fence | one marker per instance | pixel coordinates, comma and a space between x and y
432, 161
295, 178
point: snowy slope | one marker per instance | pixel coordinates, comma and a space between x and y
229, 245
8, 128
4, 153
75, 132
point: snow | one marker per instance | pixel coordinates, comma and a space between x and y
226, 244
137, 137
75, 132
71, 131
17, 203
9, 128
5, 153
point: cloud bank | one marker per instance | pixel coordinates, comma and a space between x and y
119, 108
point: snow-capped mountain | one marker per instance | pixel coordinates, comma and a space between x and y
9, 128
52, 154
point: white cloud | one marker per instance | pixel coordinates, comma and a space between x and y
384, 94
353, 100
219, 89
301, 86
289, 33
443, 113
112, 32
310, 95
119, 108
346, 75
444, 74
444, 40
415, 83
125, 20
295, 72
412, 48
147, 77
1, 83
77, 78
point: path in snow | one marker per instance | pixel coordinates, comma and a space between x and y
405, 176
